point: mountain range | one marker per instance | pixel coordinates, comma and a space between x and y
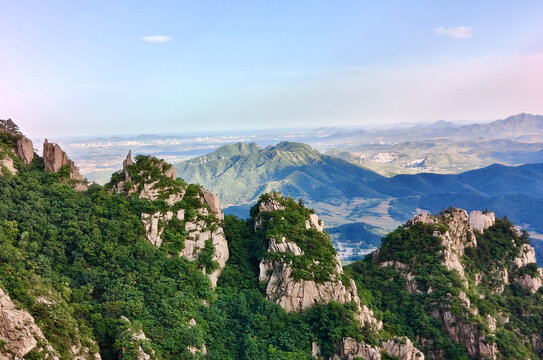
346, 193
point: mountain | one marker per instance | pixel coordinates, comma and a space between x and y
239, 173
465, 286
147, 267
511, 127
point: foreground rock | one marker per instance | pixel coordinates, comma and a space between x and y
19, 332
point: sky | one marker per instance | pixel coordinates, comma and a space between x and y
87, 68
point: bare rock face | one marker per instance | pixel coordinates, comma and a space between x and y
213, 202
526, 256
54, 158
458, 235
532, 283
314, 222
401, 348
25, 150
19, 332
7, 164
481, 221
198, 234
467, 334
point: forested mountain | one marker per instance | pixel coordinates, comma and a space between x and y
148, 267
239, 173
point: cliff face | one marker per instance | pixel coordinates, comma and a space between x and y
54, 158
282, 286
189, 215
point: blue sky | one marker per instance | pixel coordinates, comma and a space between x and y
129, 67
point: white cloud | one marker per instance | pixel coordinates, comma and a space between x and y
460, 32
156, 39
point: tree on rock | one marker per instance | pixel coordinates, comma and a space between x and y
10, 127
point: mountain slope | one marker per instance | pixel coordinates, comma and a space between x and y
239, 173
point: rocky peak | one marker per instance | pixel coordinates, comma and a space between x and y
454, 229
466, 243
292, 287
25, 150
128, 161
54, 158
214, 204
190, 212
272, 202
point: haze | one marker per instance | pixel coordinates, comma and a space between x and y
102, 67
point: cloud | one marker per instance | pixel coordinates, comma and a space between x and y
460, 32
156, 39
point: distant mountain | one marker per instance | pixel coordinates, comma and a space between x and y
513, 126
239, 173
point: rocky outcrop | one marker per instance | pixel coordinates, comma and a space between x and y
54, 158
25, 150
297, 295
198, 230
19, 332
213, 202
7, 167
467, 334
135, 342
526, 256
456, 234
197, 235
401, 348
531, 283
314, 222
481, 221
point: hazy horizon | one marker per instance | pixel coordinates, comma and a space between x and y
171, 67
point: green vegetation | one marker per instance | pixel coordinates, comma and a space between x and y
319, 259
79, 263
85, 253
